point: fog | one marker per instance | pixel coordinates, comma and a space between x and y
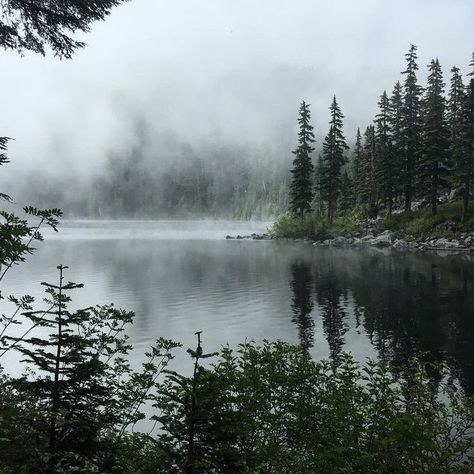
177, 81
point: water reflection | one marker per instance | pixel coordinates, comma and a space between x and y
408, 305
370, 303
330, 291
302, 305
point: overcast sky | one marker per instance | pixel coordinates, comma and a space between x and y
219, 71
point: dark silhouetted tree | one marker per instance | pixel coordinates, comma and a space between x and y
370, 167
317, 186
358, 175
411, 125
334, 160
36, 25
397, 142
195, 413
383, 147
347, 192
465, 167
301, 187
454, 116
433, 161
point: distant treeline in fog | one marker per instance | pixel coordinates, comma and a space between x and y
216, 181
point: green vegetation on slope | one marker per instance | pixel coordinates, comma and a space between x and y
422, 223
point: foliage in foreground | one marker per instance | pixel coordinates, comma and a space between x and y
271, 408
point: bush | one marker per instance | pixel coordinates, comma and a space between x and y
294, 227
283, 412
423, 222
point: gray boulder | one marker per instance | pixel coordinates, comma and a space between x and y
447, 244
367, 239
385, 239
341, 242
400, 244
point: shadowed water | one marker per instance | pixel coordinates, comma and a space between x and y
181, 277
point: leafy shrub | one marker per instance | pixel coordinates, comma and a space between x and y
283, 412
294, 227
423, 222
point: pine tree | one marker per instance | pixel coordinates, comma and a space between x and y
411, 125
33, 26
432, 167
397, 142
333, 160
317, 186
347, 191
465, 168
197, 420
385, 159
454, 115
370, 167
358, 169
82, 389
301, 187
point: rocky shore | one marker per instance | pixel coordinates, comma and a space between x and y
464, 242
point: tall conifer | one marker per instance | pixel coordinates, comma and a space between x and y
371, 184
385, 160
358, 169
411, 124
432, 169
465, 168
397, 142
333, 160
454, 115
301, 187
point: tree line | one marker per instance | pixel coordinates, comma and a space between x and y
419, 146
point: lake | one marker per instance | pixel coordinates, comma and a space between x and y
183, 276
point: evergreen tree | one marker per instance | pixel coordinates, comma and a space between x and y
333, 160
397, 142
465, 168
301, 187
347, 191
358, 169
317, 186
411, 125
432, 168
197, 420
33, 26
83, 392
454, 115
385, 159
370, 167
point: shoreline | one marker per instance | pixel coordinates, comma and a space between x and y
464, 242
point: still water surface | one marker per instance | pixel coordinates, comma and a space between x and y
181, 277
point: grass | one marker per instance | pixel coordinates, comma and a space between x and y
423, 223
416, 224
